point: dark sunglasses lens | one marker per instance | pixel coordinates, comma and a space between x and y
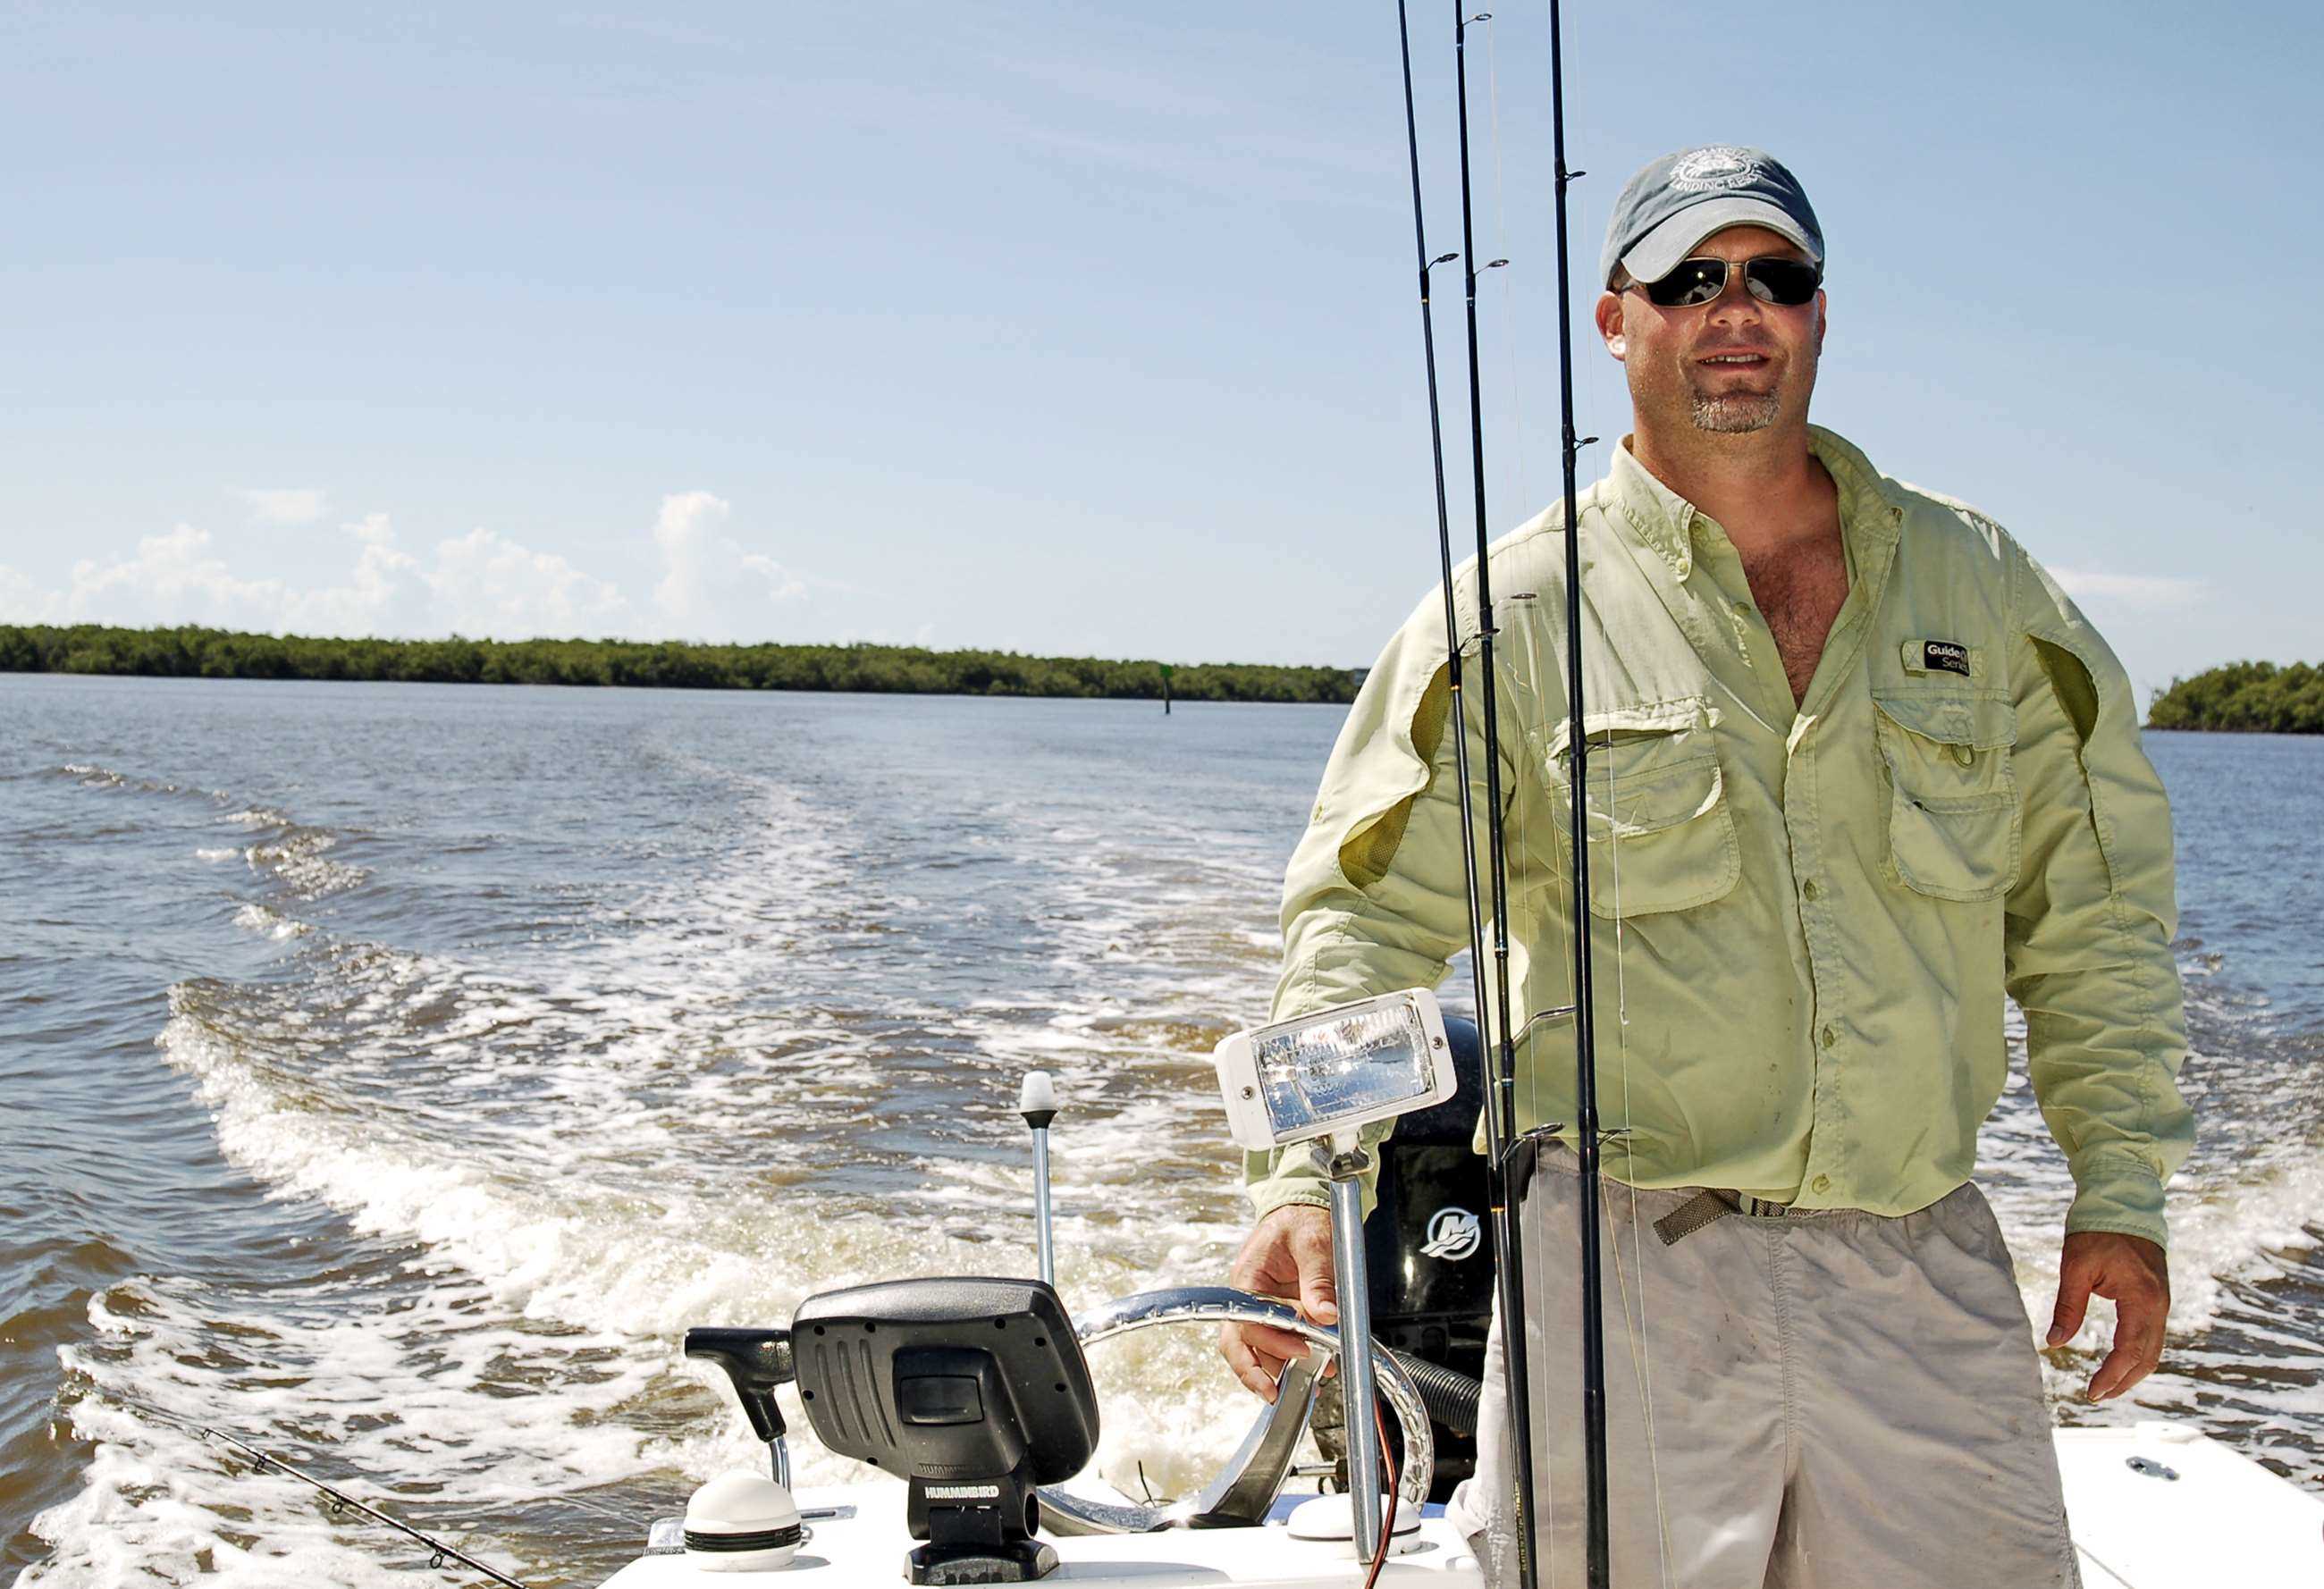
1787, 282
1694, 281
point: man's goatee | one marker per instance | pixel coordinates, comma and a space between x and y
1736, 414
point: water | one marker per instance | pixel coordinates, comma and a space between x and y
395, 1071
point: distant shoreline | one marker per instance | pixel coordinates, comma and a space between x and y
2243, 698
194, 652
2235, 697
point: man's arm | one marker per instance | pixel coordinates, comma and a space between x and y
1376, 896
2088, 931
1375, 900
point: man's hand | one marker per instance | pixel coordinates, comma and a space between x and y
2132, 1270
1287, 1255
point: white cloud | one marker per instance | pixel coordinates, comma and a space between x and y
300, 505
486, 585
178, 575
712, 588
22, 602
2144, 593
481, 583
381, 598
180, 578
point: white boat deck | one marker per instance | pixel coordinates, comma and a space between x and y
2222, 1520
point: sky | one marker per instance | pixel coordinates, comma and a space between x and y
1089, 329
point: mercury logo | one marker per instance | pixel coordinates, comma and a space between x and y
1453, 1234
1704, 169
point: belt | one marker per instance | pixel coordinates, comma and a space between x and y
1708, 1206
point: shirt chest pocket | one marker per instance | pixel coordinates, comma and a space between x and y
1662, 833
1954, 826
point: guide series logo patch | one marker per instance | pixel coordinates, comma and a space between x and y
1453, 1234
1926, 657
1944, 656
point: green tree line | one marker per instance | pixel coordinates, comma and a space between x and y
188, 652
2244, 697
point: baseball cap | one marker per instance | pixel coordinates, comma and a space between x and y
1675, 202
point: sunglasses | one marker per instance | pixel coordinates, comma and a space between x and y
1786, 283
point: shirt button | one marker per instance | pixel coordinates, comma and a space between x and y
1828, 1035
1812, 890
1741, 605
1820, 1185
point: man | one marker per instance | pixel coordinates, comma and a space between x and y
1856, 767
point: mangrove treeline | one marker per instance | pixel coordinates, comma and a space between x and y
2244, 697
209, 653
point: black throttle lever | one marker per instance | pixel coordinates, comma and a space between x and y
756, 1361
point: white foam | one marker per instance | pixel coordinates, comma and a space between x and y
258, 918
398, 1407
604, 1209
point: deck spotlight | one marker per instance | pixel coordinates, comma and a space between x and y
1320, 1078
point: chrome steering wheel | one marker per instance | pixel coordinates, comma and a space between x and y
1243, 1491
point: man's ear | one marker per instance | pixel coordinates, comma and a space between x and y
1823, 321
1609, 324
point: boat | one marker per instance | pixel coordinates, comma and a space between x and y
2158, 1505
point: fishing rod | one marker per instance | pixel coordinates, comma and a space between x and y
1597, 1551
439, 1550
1500, 1111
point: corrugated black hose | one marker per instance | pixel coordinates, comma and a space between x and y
1449, 1395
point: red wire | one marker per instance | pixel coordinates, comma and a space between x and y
1387, 1531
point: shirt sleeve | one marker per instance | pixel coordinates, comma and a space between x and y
2088, 927
1376, 896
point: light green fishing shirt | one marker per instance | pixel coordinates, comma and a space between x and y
1805, 915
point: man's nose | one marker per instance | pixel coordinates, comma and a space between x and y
1735, 303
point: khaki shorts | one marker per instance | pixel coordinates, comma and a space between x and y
1828, 1401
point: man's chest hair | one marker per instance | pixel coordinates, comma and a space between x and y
1799, 591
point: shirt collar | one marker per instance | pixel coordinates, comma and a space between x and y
1869, 507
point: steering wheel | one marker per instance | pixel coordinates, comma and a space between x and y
1243, 1491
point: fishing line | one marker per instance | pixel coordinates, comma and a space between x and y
1642, 1357
1508, 1274
1597, 1551
439, 1550
1501, 235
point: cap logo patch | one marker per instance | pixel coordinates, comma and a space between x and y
1711, 171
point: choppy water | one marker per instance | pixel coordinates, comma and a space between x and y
394, 1072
